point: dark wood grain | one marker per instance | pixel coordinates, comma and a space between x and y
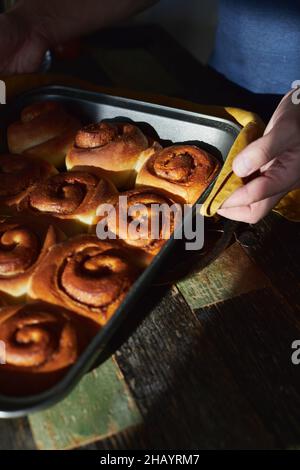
15, 434
254, 337
184, 389
275, 248
246, 341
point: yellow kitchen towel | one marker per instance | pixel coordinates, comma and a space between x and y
289, 206
227, 182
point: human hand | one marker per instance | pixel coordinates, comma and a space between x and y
276, 156
32, 26
22, 48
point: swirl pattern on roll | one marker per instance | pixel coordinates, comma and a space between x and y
71, 195
86, 275
42, 342
45, 130
38, 337
184, 171
148, 221
23, 243
18, 176
115, 147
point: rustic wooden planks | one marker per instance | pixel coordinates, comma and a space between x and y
254, 337
100, 406
245, 342
15, 434
231, 275
276, 250
186, 392
256, 324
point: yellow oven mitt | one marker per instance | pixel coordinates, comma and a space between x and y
227, 182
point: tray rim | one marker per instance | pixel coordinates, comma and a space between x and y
60, 89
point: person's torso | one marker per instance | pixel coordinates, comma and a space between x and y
258, 44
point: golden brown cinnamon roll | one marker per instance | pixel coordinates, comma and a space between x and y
45, 130
41, 342
184, 171
24, 241
144, 218
86, 275
18, 176
72, 195
115, 147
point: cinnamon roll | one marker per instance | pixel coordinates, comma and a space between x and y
184, 171
72, 195
144, 218
45, 130
115, 147
24, 241
18, 176
86, 275
41, 342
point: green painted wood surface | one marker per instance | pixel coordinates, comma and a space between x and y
231, 275
100, 406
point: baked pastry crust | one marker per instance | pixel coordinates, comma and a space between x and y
24, 241
72, 195
147, 223
86, 275
41, 342
182, 171
18, 176
115, 147
45, 131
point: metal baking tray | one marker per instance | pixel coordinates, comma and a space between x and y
172, 125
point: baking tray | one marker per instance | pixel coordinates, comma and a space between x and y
173, 125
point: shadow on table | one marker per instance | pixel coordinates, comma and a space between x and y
221, 376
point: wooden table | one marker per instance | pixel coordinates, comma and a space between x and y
219, 375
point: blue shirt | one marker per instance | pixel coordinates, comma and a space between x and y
258, 44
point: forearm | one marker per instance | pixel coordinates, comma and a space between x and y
60, 20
